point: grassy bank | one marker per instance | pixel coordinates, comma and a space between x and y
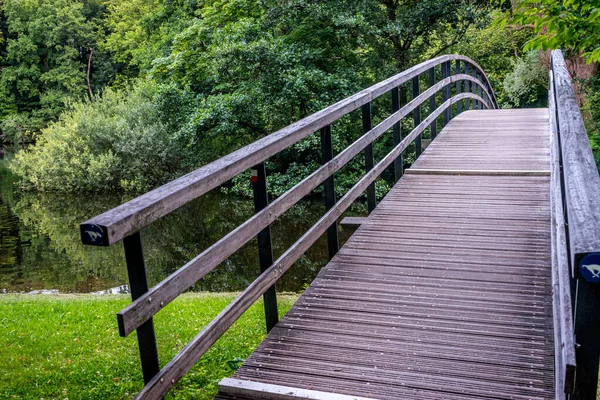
68, 347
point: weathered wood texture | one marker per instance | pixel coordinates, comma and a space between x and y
581, 179
495, 140
445, 292
138, 213
353, 221
265, 391
565, 363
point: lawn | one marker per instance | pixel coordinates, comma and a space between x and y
68, 347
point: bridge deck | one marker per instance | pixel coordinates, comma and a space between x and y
444, 292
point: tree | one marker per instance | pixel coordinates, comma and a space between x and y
569, 24
48, 51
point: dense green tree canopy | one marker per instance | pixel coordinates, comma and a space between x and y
222, 72
48, 44
570, 24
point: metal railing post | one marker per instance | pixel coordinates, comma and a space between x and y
333, 242
369, 157
478, 76
417, 115
458, 88
397, 129
445, 92
587, 332
265, 247
138, 283
432, 105
467, 87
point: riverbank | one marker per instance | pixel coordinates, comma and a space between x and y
68, 346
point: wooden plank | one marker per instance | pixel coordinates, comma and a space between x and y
128, 218
422, 171
582, 182
179, 281
402, 312
353, 222
264, 391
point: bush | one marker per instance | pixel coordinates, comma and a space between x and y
119, 142
527, 84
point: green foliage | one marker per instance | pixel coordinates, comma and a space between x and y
47, 46
527, 84
226, 73
118, 142
591, 110
495, 49
69, 346
569, 24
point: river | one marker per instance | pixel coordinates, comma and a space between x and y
40, 249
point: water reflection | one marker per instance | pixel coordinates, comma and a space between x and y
40, 247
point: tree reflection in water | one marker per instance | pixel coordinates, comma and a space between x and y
40, 246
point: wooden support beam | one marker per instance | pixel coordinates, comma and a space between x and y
266, 391
353, 222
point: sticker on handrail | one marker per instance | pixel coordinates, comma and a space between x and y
92, 234
589, 267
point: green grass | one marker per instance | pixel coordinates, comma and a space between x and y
68, 347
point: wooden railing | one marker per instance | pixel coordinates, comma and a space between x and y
575, 199
471, 90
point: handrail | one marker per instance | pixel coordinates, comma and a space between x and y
565, 363
581, 179
575, 199
125, 221
141, 309
112, 226
192, 352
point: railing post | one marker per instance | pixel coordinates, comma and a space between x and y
445, 92
458, 88
265, 247
398, 167
138, 283
432, 106
369, 157
478, 76
432, 103
587, 334
333, 242
467, 87
417, 115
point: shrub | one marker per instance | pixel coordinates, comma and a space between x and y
118, 142
527, 84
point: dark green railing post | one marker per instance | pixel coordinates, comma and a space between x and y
333, 242
445, 92
476, 90
587, 337
416, 83
265, 247
432, 105
458, 88
138, 283
467, 87
479, 91
397, 129
369, 157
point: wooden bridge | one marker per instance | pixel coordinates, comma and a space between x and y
460, 284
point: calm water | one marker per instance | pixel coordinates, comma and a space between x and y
40, 247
